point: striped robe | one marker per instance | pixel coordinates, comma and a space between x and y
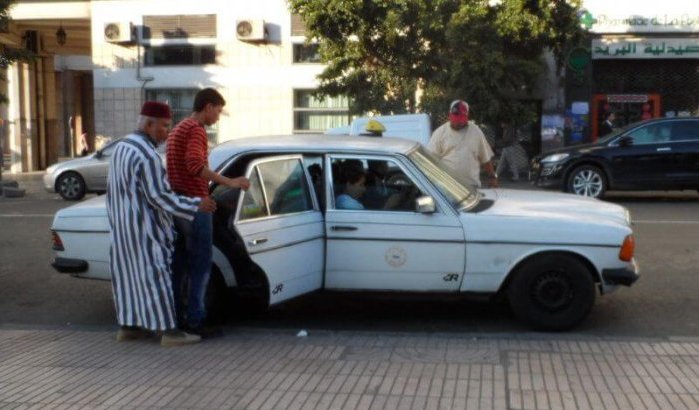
140, 206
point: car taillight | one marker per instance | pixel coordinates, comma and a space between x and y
627, 248
57, 243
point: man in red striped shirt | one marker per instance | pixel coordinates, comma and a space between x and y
189, 174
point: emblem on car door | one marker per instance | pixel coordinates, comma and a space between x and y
451, 277
278, 289
395, 256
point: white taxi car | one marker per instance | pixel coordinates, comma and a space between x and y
411, 227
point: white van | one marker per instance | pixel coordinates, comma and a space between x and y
414, 127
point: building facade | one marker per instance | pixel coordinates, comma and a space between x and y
254, 53
644, 61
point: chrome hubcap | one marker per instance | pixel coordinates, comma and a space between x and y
70, 187
587, 183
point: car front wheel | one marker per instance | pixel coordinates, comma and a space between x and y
587, 180
71, 186
552, 292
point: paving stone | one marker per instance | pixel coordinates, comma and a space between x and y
264, 370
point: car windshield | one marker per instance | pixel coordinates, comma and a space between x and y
460, 194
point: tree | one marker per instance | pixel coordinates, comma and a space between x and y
488, 52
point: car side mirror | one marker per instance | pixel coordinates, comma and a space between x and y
99, 154
425, 205
625, 141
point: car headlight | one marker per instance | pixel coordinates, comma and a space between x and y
555, 157
50, 169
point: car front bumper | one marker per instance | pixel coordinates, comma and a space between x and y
621, 276
49, 182
547, 175
68, 265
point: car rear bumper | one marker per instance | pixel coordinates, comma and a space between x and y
68, 265
622, 276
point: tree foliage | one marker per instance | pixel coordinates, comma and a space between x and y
488, 52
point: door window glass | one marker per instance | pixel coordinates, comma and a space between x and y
253, 200
652, 134
685, 130
372, 184
109, 148
286, 186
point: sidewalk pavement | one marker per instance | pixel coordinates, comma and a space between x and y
274, 369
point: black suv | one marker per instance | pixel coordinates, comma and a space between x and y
657, 154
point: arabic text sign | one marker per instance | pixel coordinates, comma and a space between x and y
656, 23
645, 48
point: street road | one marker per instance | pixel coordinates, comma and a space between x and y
662, 303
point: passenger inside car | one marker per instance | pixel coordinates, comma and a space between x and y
377, 191
352, 181
372, 186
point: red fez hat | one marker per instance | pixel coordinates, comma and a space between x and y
156, 109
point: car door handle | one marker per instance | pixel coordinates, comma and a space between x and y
257, 241
664, 149
343, 228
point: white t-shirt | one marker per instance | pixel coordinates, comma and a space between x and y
462, 150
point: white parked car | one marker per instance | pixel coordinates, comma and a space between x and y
414, 228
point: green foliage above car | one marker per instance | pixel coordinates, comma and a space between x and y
380, 53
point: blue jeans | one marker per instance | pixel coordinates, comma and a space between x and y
191, 267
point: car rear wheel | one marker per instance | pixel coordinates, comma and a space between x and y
71, 186
587, 180
552, 292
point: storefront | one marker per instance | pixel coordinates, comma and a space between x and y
645, 60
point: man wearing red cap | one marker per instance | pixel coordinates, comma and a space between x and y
140, 207
463, 147
189, 173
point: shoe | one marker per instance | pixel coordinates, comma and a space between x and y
178, 338
206, 332
126, 333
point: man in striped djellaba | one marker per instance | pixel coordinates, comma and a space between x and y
141, 207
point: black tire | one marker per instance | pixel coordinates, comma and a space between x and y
71, 186
552, 292
217, 298
587, 180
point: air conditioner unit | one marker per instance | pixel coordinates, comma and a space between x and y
118, 32
251, 30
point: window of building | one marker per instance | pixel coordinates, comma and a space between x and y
179, 26
181, 102
179, 54
313, 114
306, 53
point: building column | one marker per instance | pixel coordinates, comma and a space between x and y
27, 120
12, 126
50, 103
